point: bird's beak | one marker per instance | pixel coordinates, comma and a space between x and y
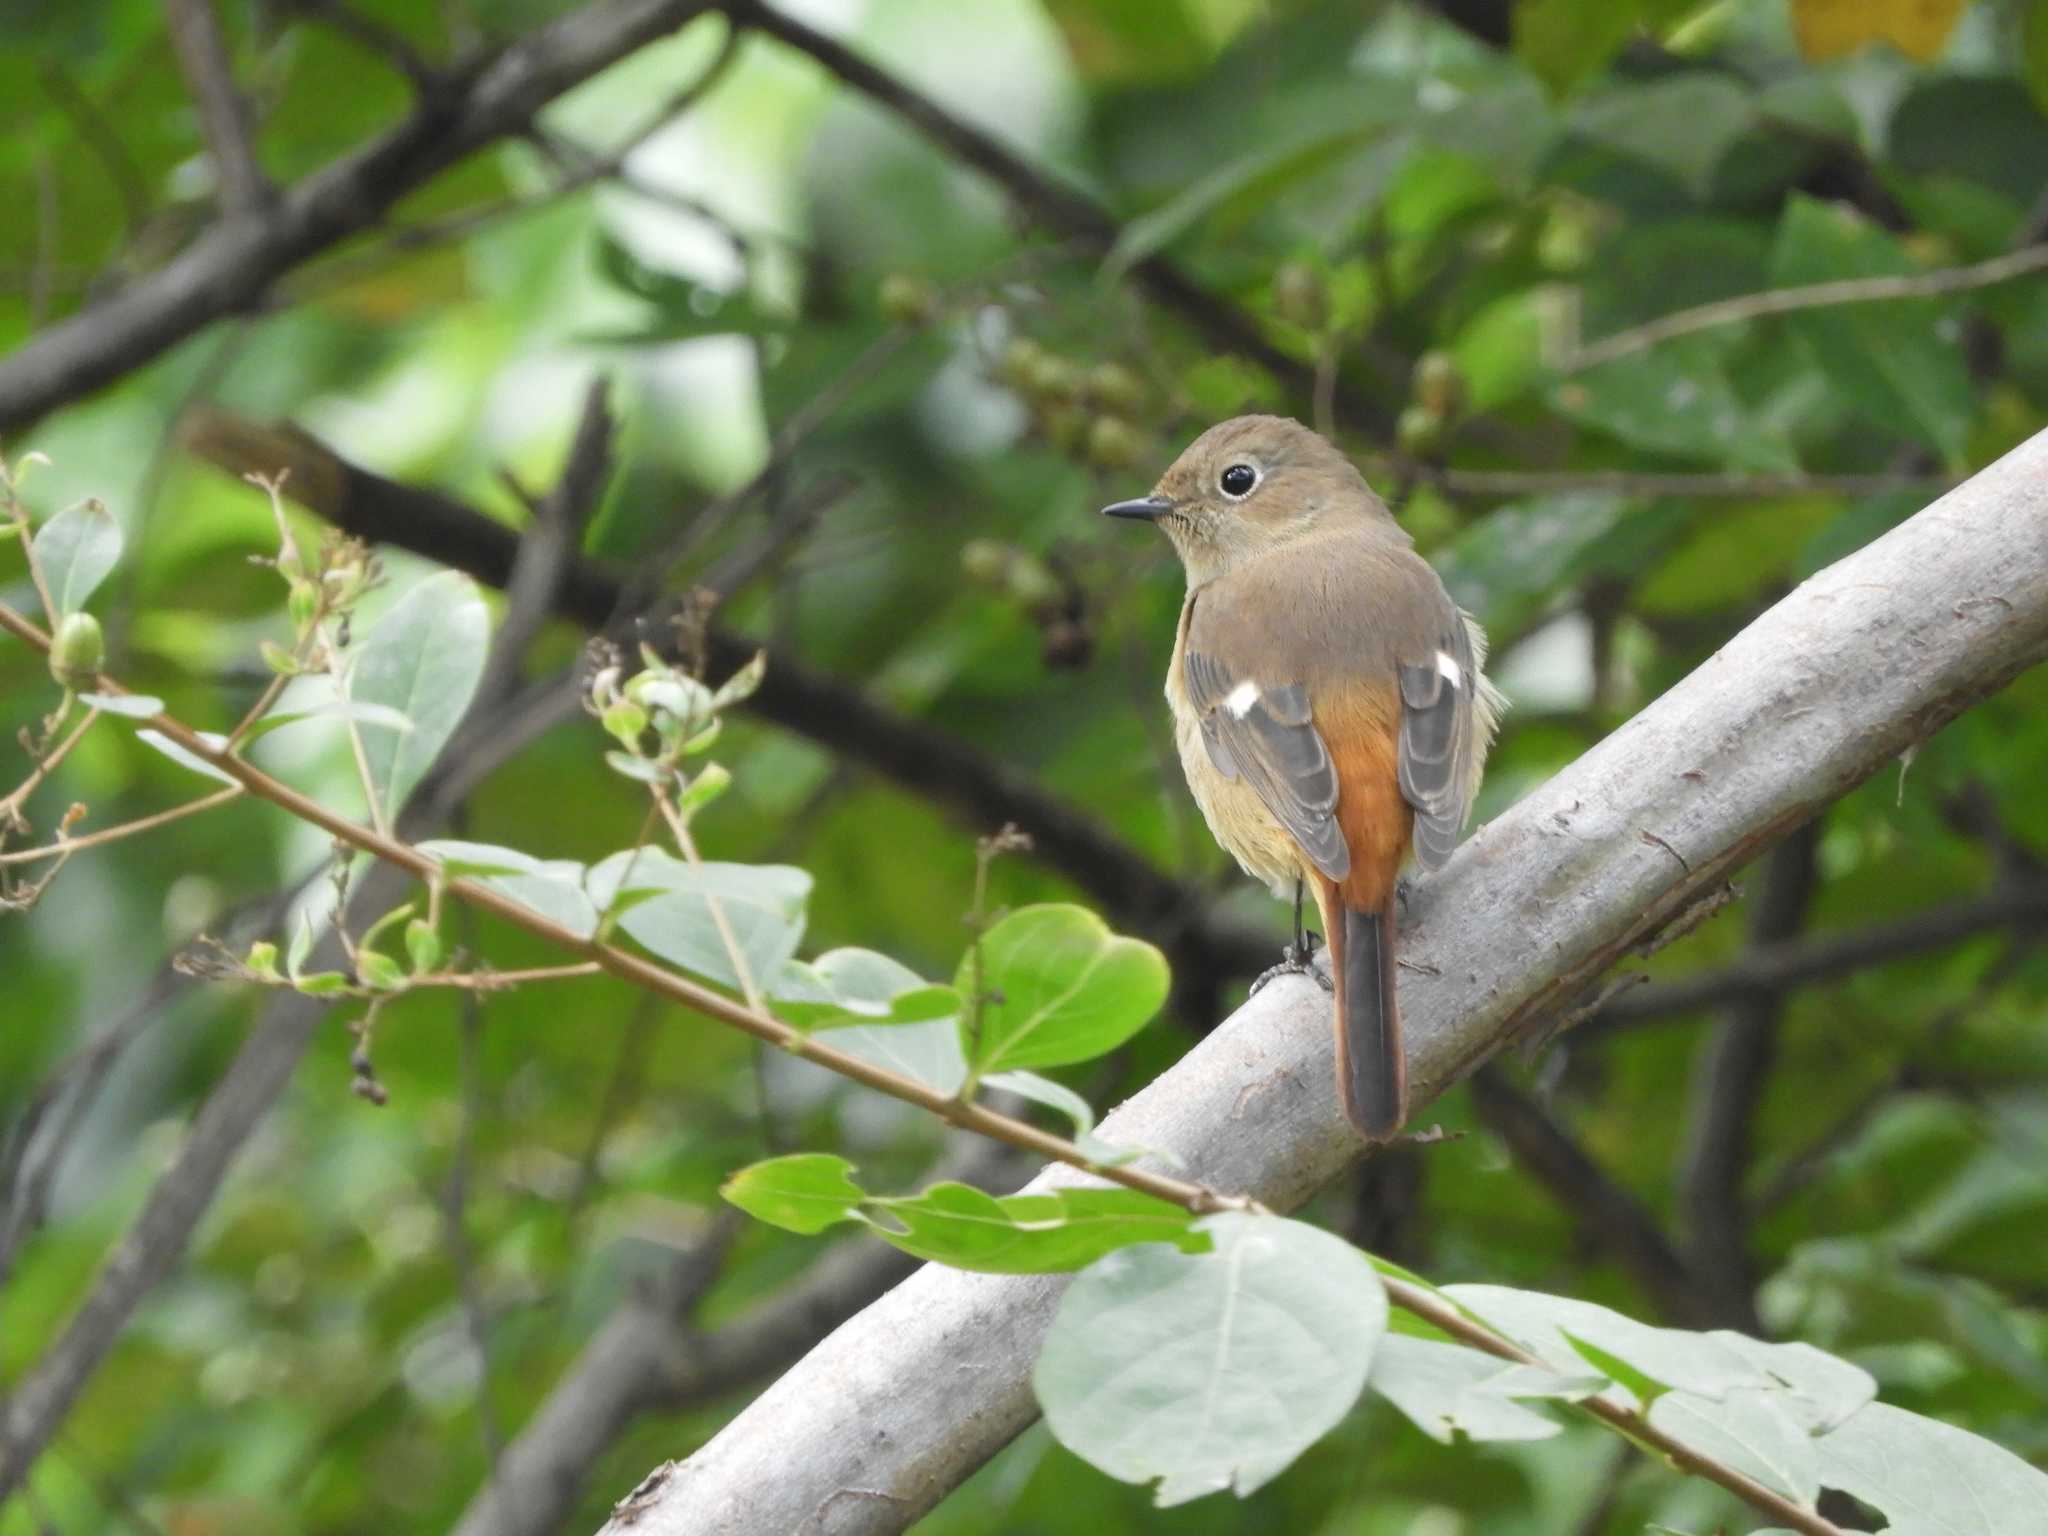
1150, 508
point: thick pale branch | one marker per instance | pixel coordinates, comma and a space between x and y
1860, 662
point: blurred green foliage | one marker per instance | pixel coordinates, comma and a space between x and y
1375, 183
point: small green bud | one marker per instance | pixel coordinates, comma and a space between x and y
323, 984
1116, 388
379, 971
1065, 427
1114, 444
1019, 362
422, 946
1300, 296
78, 651
1439, 387
1053, 381
909, 300
1565, 243
303, 605
1419, 430
279, 660
262, 962
625, 720
984, 561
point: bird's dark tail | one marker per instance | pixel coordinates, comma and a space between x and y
1372, 1072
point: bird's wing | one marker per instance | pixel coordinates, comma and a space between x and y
1258, 729
1446, 724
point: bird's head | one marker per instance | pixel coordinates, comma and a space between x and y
1248, 486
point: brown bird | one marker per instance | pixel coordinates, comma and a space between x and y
1329, 705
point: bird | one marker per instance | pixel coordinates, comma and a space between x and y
1330, 708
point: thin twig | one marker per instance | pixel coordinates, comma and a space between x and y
223, 114
11, 804
1785, 301
65, 847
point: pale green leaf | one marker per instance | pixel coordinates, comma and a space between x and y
75, 550
671, 914
1213, 1371
422, 659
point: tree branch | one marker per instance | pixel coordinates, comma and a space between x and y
649, 1358
1784, 967
1057, 207
1735, 1063
228, 268
223, 114
1611, 1215
1861, 661
1785, 301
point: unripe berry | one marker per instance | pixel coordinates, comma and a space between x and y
77, 651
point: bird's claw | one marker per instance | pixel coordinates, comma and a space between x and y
1297, 960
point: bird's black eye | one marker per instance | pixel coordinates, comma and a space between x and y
1238, 480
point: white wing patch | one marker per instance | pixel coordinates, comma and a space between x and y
1447, 664
1239, 700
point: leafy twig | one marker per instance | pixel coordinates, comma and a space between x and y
1785, 301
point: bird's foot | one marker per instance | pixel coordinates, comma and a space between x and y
1297, 960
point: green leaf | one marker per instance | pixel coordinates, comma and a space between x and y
843, 985
1674, 398
1058, 1096
1031, 1234
805, 1192
1750, 1430
685, 309
1211, 1371
422, 659
1931, 1479
1257, 176
1509, 564
1896, 360
335, 708
551, 887
1564, 41
1818, 1390
1684, 125
763, 905
1568, 1334
180, 756
134, 706
75, 550
1447, 1390
928, 1052
1060, 988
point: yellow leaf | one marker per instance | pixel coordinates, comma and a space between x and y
1827, 29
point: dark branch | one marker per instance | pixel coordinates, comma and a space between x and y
1056, 207
649, 1357
229, 268
1783, 967
1616, 1222
1735, 1064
